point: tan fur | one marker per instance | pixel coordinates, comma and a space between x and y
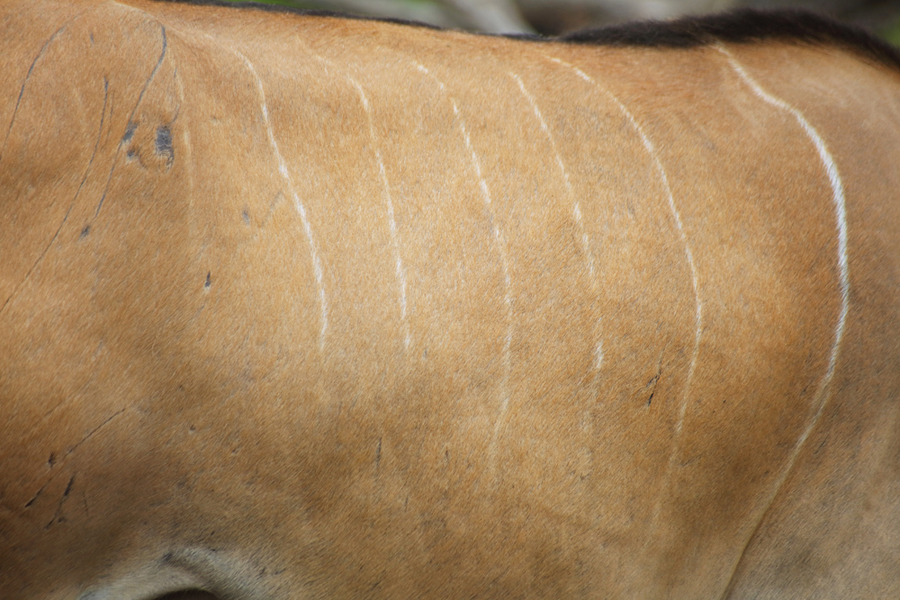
478, 338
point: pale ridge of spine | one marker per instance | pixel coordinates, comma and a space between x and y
500, 242
298, 204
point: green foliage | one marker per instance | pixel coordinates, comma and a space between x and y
892, 32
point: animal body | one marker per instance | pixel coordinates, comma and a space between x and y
295, 306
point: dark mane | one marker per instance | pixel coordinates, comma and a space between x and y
740, 26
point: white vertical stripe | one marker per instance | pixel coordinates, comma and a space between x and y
576, 210
500, 242
695, 280
840, 209
298, 205
504, 258
576, 206
395, 237
392, 223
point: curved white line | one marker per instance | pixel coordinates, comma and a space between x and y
504, 258
298, 205
500, 242
576, 210
840, 208
395, 237
576, 207
695, 280
651, 150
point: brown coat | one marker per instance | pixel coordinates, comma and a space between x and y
302, 307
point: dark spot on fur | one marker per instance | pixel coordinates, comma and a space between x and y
129, 132
208, 280
652, 384
164, 143
84, 231
69, 486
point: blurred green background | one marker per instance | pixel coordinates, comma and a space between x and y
557, 16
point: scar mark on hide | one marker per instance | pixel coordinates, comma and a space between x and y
40, 54
61, 460
131, 124
84, 177
163, 143
31, 68
93, 431
57, 516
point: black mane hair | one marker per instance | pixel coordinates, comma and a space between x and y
742, 26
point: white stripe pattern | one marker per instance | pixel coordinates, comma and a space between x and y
695, 280
298, 204
576, 210
500, 242
576, 207
395, 237
840, 209
392, 222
